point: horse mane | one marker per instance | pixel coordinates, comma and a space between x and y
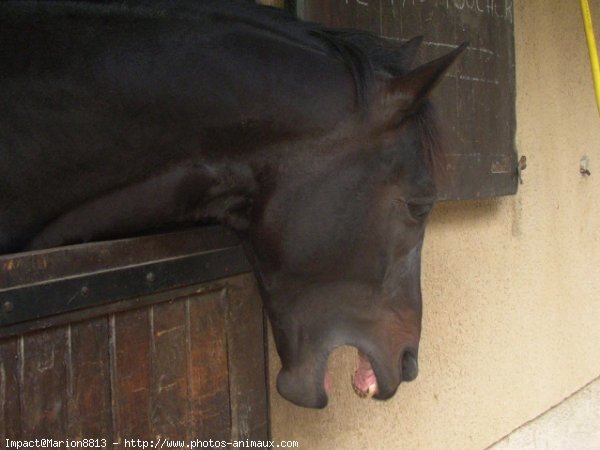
363, 54
433, 152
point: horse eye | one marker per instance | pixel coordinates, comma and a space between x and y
419, 210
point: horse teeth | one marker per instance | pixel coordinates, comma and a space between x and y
371, 391
357, 391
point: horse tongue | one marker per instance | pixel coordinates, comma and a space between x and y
364, 380
327, 381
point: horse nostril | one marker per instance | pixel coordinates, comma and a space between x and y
410, 367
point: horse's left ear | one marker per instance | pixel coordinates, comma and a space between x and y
404, 93
409, 51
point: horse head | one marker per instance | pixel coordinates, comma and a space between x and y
337, 241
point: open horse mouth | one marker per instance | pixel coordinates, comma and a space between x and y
310, 385
364, 380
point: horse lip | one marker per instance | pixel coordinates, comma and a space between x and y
383, 389
303, 390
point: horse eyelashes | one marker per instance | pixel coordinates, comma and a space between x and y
418, 210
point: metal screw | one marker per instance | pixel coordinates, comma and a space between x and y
7, 307
583, 166
522, 165
150, 277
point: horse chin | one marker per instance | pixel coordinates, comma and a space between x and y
304, 389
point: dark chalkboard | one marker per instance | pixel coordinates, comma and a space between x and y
476, 100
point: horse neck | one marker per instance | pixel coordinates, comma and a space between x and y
238, 181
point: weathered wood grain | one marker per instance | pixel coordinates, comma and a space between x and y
169, 413
181, 364
209, 372
10, 398
247, 374
130, 347
88, 389
43, 384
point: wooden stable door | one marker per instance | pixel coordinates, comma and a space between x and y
182, 363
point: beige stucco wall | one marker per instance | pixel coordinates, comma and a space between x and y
511, 285
572, 424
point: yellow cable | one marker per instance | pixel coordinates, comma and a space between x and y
591, 41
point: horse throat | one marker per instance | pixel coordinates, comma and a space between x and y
229, 197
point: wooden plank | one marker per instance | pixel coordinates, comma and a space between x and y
169, 403
104, 310
35, 267
90, 412
209, 377
10, 411
130, 353
247, 374
43, 382
161, 371
43, 299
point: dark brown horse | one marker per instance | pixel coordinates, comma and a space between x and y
317, 145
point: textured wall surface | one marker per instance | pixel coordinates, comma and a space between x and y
511, 285
574, 424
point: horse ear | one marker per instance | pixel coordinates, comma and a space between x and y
406, 92
409, 50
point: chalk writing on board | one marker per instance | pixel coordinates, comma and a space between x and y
470, 48
487, 52
502, 9
473, 79
359, 2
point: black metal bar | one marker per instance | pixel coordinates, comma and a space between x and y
34, 301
